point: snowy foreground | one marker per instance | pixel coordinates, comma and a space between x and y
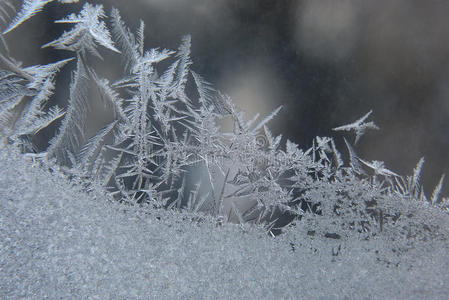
56, 242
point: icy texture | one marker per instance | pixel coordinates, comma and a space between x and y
358, 230
58, 242
29, 9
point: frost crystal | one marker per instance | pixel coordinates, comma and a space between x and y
151, 140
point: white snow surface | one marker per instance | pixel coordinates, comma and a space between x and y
59, 242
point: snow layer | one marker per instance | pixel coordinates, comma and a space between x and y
58, 242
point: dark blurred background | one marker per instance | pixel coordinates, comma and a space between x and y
327, 62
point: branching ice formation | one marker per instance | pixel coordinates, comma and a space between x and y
160, 143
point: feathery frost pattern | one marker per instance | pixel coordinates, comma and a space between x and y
29, 9
359, 127
160, 145
72, 132
87, 31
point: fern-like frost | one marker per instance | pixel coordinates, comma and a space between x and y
29, 9
88, 29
